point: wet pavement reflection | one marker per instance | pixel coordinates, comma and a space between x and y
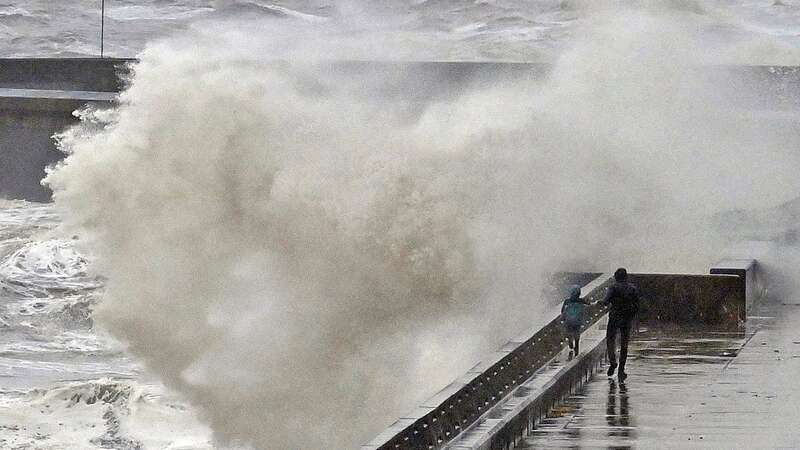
666, 369
619, 423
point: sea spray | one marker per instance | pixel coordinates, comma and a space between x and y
306, 263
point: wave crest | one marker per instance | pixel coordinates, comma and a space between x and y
46, 268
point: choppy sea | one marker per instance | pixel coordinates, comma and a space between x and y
451, 29
62, 384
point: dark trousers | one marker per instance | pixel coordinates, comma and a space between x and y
574, 337
623, 327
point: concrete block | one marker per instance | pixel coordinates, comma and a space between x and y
701, 300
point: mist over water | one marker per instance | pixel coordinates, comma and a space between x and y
307, 255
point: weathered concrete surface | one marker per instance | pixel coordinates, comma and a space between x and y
692, 299
68, 74
37, 99
688, 390
755, 401
28, 120
750, 278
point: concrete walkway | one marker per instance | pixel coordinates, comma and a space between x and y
698, 389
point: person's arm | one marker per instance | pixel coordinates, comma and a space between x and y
607, 299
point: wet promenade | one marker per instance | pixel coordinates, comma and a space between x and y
696, 389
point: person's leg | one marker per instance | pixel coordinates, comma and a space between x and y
611, 351
625, 334
572, 336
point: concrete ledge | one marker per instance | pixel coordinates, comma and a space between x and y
751, 279
19, 102
79, 74
87, 96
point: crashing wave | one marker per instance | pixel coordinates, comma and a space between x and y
102, 391
69, 311
114, 413
46, 268
20, 218
65, 342
119, 400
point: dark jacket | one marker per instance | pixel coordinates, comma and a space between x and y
624, 300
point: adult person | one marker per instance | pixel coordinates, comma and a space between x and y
624, 300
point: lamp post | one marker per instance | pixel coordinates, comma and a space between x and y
102, 25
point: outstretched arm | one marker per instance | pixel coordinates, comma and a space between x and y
607, 299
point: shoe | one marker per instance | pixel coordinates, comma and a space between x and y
622, 375
611, 369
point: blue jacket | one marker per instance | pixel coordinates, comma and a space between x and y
574, 298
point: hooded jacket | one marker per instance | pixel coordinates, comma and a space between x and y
574, 298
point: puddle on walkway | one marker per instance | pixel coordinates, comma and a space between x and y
668, 370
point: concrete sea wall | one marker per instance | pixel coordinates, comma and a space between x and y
720, 299
691, 299
65, 74
28, 121
751, 279
37, 99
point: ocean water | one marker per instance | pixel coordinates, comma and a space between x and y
769, 30
67, 385
64, 386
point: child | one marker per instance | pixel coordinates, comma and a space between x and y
572, 312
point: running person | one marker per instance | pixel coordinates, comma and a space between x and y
624, 300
